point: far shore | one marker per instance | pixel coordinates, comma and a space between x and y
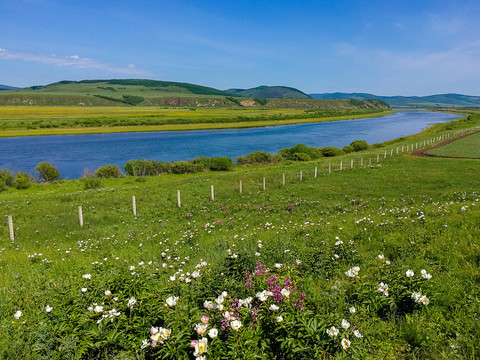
179, 127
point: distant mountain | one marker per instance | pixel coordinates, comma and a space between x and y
6, 87
441, 100
270, 92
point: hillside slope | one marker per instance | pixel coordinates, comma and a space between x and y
440, 100
271, 92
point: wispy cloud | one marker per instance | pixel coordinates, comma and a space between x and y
73, 61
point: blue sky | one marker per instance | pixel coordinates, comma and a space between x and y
387, 47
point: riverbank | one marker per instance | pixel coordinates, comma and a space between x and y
182, 127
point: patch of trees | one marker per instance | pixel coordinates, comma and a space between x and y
126, 99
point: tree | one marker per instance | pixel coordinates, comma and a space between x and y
47, 171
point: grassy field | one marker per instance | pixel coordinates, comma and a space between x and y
377, 261
467, 147
21, 121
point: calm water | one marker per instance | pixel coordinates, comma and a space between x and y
71, 154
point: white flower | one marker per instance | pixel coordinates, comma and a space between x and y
213, 333
220, 299
383, 288
424, 300
172, 301
132, 302
333, 331
200, 328
17, 315
84, 290
345, 324
353, 272
257, 253
164, 333
409, 273
426, 275
48, 308
274, 307
285, 292
345, 343
201, 347
208, 304
108, 292
357, 334
227, 315
262, 295
279, 318
236, 324
278, 266
87, 276
144, 344
381, 256
98, 309
352, 310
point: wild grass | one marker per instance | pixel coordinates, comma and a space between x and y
467, 147
402, 213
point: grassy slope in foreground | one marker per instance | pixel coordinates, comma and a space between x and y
418, 213
466, 147
64, 121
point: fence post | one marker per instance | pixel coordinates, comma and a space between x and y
264, 183
80, 216
134, 205
283, 179
378, 157
213, 193
10, 227
361, 162
241, 190
315, 171
179, 202
391, 152
341, 165
351, 164
301, 175
329, 168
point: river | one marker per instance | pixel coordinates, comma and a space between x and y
71, 154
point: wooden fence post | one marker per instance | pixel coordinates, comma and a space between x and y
283, 179
241, 190
329, 168
341, 165
264, 183
315, 171
10, 228
134, 205
179, 202
301, 175
80, 216
213, 193
351, 164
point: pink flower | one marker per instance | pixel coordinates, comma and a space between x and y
154, 343
193, 343
204, 319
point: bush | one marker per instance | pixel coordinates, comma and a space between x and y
6, 177
292, 153
359, 145
329, 151
47, 171
145, 167
260, 101
220, 164
108, 171
184, 167
22, 181
3, 186
257, 157
301, 157
348, 149
92, 183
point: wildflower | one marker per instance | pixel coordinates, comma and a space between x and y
132, 302
108, 292
164, 333
274, 307
193, 343
220, 299
84, 290
345, 324
353, 272
213, 333
383, 288
352, 310
236, 324
345, 343
285, 292
171, 301
279, 318
204, 319
333, 331
409, 273
201, 347
87, 276
144, 344
98, 309
257, 253
17, 315
153, 330
424, 300
357, 334
278, 266
48, 308
262, 295
200, 329
208, 305
426, 275
381, 256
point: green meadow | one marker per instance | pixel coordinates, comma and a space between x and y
467, 147
367, 255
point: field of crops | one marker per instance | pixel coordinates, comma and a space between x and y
41, 120
467, 147
379, 261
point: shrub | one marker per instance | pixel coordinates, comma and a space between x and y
145, 167
359, 145
291, 153
301, 157
348, 149
220, 164
257, 157
329, 151
22, 181
260, 101
108, 171
47, 171
6, 177
184, 167
3, 186
92, 183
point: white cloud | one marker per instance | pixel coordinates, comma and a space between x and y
73, 61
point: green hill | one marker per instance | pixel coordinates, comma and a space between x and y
271, 92
441, 100
6, 87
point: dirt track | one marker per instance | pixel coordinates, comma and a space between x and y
421, 152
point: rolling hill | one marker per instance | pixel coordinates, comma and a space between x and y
6, 87
441, 100
270, 92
